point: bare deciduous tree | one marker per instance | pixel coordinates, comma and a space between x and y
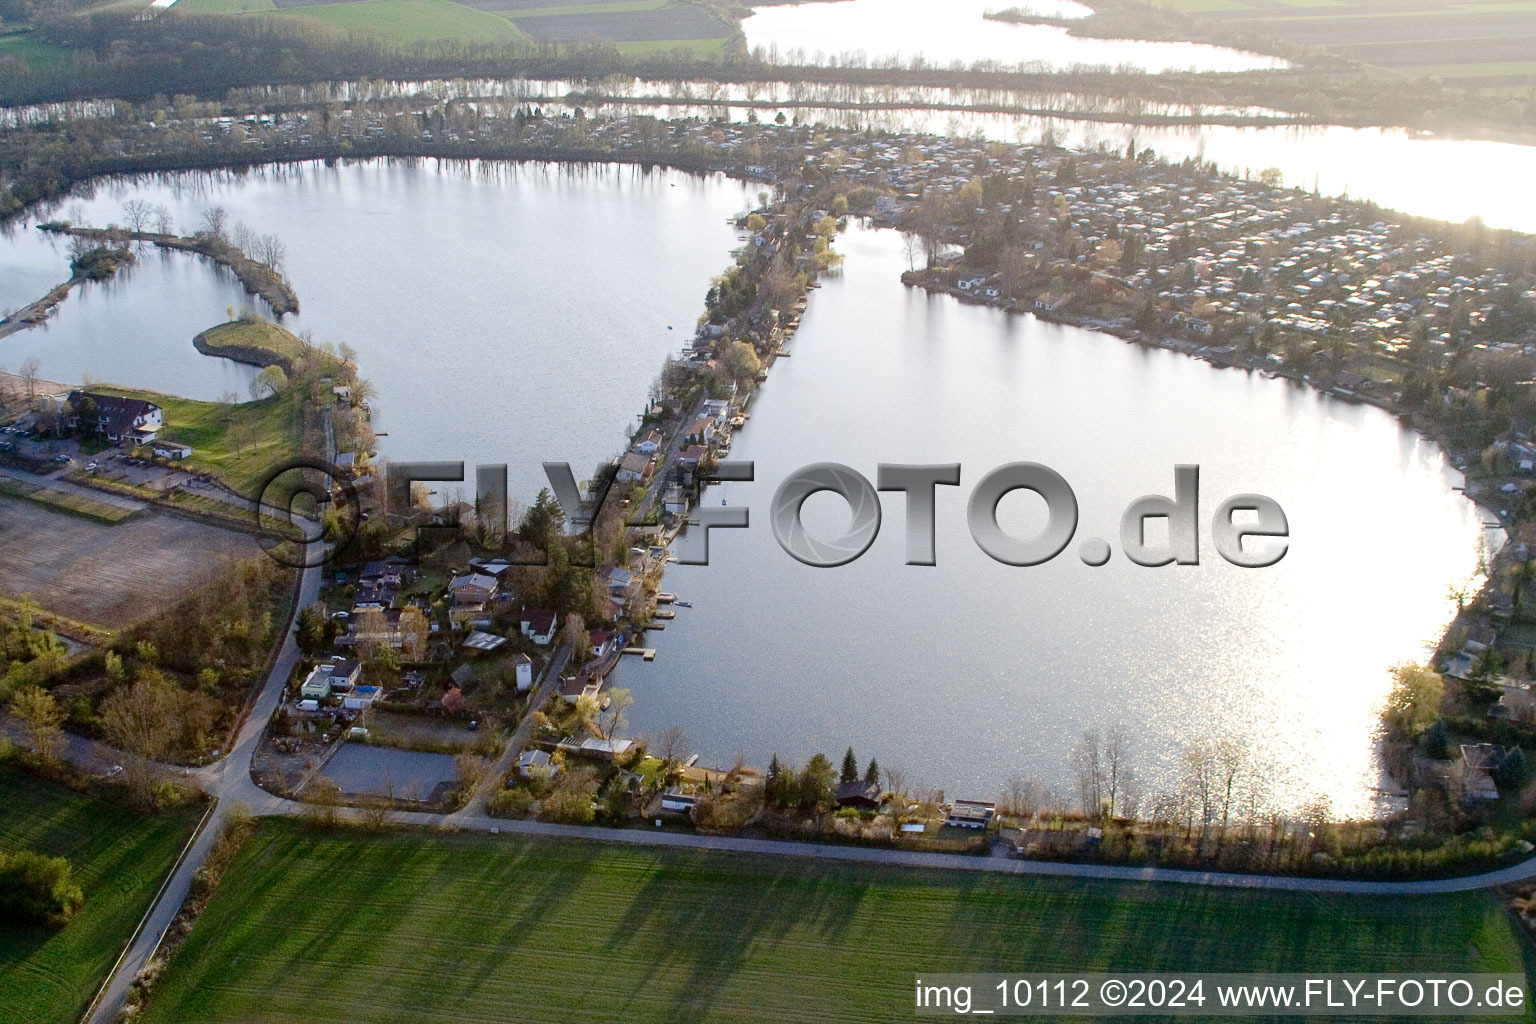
137, 213
670, 744
30, 368
215, 221
143, 721
610, 718
1119, 776
1088, 764
272, 251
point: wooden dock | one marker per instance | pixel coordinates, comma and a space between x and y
665, 614
648, 653
665, 598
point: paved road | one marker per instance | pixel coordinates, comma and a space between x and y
997, 863
229, 780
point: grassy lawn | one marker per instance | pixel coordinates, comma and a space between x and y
240, 442
261, 342
36, 54
413, 21
120, 859
423, 928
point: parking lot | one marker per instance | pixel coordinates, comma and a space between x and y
383, 771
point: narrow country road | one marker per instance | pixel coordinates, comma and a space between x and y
228, 781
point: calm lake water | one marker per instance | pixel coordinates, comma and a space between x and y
971, 671
506, 313
519, 313
954, 30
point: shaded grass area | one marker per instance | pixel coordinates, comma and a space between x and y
74, 504
119, 858
413, 21
241, 442
415, 927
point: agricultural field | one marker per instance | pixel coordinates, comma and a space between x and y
1486, 42
407, 21
225, 6
107, 576
119, 857
634, 26
416, 927
665, 23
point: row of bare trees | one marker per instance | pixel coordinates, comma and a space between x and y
142, 216
1220, 785
266, 249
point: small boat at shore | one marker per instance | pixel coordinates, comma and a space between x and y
682, 604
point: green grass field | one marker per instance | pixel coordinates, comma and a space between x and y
270, 342
413, 21
415, 927
120, 859
240, 442
36, 54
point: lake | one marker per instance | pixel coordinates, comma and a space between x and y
506, 313
518, 313
971, 671
877, 31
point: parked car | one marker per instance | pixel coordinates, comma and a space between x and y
65, 459
114, 771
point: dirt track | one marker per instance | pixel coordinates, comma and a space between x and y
110, 576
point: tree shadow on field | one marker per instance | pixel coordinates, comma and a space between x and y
1037, 924
707, 913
